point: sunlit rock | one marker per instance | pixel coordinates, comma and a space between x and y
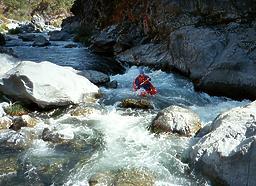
46, 84
175, 119
5, 122
2, 108
84, 111
23, 121
136, 103
227, 153
123, 177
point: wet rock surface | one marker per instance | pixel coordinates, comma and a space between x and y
175, 119
136, 104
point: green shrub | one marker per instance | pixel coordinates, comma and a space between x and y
16, 110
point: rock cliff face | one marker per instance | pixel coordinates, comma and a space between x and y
211, 42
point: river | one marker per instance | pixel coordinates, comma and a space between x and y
113, 139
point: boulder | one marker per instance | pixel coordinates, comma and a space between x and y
46, 84
220, 61
70, 25
176, 119
97, 78
41, 41
59, 36
136, 104
113, 39
2, 40
152, 55
27, 37
226, 154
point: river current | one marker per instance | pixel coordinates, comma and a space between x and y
113, 139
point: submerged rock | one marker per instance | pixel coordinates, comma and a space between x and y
175, 119
122, 177
71, 142
46, 84
12, 141
136, 103
44, 170
226, 154
8, 168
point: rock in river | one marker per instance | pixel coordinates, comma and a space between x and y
46, 84
227, 154
175, 119
136, 103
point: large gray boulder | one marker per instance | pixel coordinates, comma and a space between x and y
176, 119
152, 55
220, 61
45, 84
227, 153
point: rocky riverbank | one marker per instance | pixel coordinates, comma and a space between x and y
212, 43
